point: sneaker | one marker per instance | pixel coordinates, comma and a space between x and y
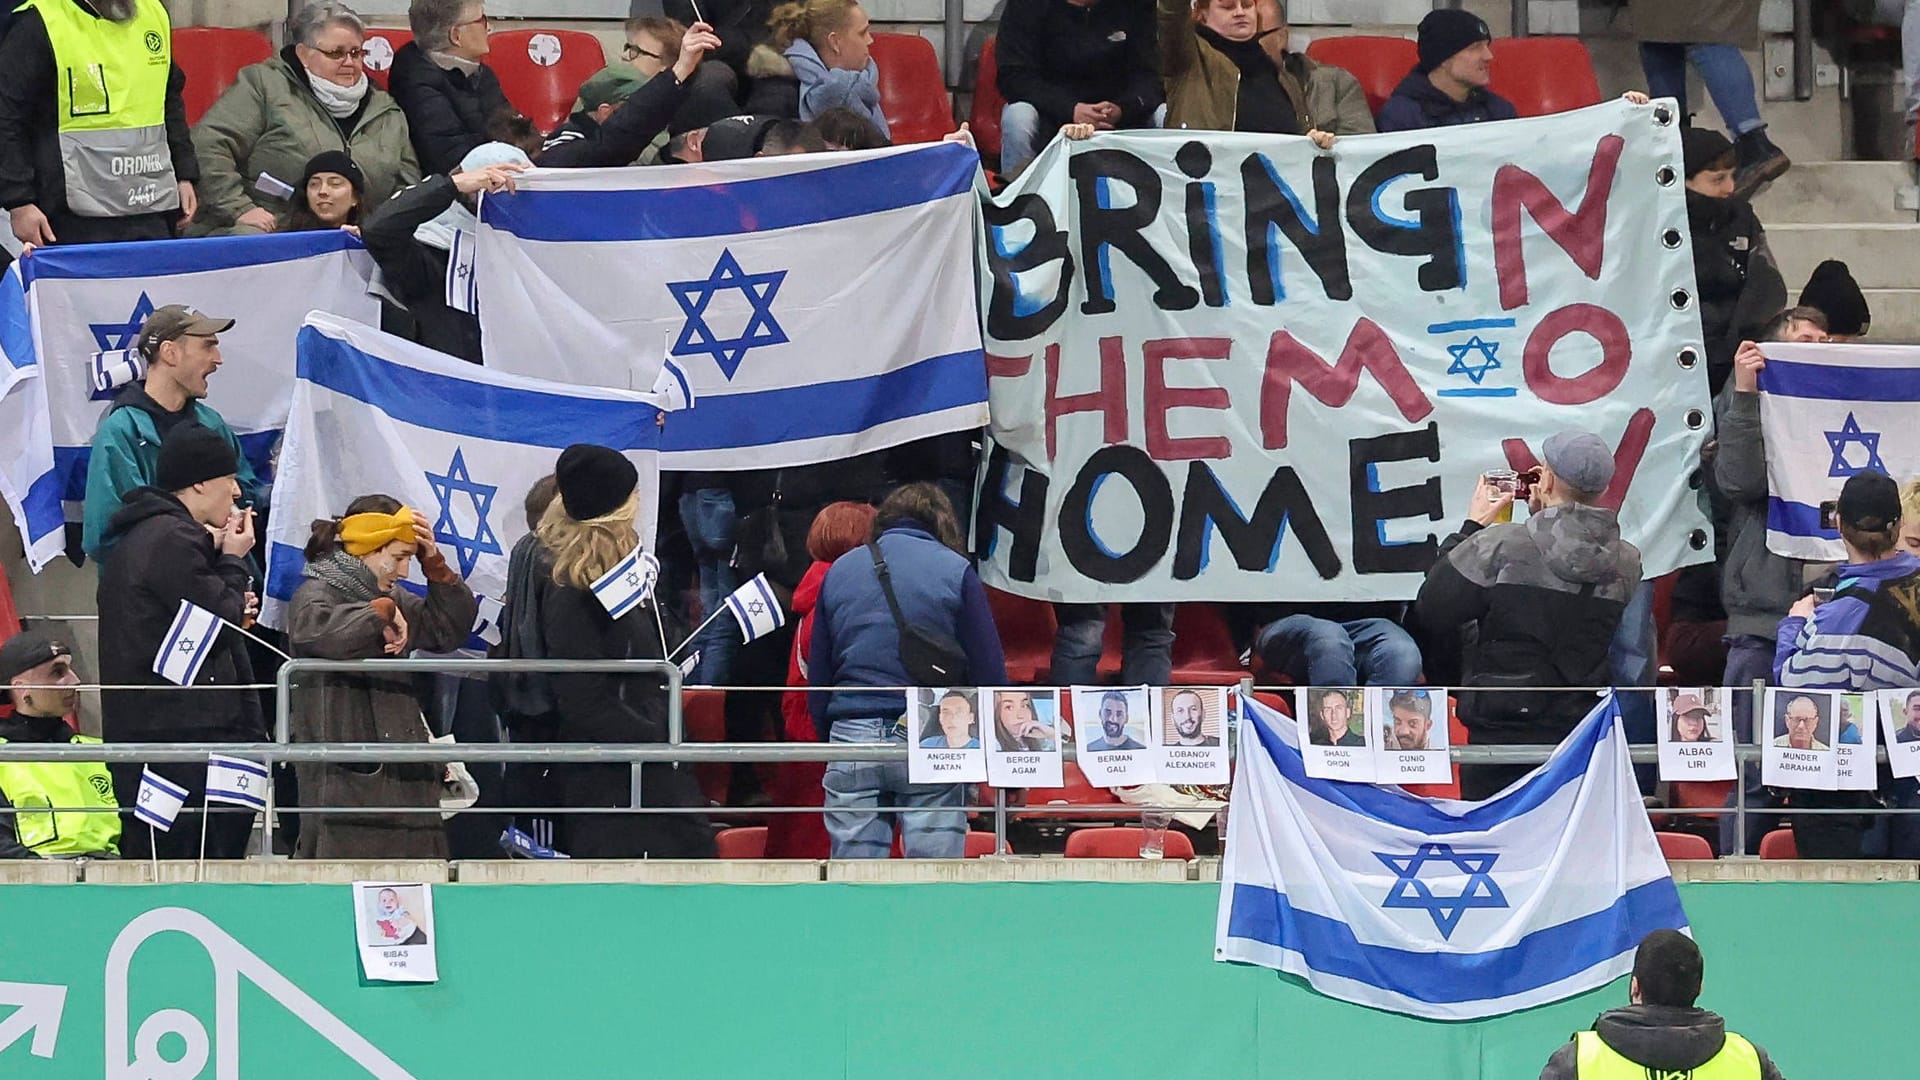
1759, 161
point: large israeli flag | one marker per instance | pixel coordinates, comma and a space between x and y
820, 305
375, 414
62, 306
1436, 908
1828, 412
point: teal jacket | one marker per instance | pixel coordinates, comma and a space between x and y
125, 454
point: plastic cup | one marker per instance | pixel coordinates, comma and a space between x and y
1153, 836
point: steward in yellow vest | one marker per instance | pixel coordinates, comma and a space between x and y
50, 809
1661, 1036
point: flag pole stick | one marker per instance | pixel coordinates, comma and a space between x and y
255, 638
206, 811
153, 851
696, 631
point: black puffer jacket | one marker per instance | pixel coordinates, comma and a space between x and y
1665, 1039
416, 273
1740, 284
447, 111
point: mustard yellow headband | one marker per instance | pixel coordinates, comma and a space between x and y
363, 534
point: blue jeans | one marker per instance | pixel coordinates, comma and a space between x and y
1320, 652
708, 516
1630, 658
856, 830
1081, 630
1749, 657
1721, 67
1021, 137
1906, 15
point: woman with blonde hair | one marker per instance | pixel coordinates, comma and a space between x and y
830, 45
588, 528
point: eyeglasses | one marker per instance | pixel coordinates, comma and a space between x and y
484, 20
634, 52
341, 55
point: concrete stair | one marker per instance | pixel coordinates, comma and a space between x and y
1839, 193
1861, 212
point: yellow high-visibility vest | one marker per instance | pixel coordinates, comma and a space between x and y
1737, 1060
110, 84
78, 789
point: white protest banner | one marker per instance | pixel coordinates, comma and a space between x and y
1900, 721
818, 305
1233, 365
1412, 748
1854, 743
1335, 738
1190, 725
1695, 734
1797, 741
393, 922
943, 737
1110, 735
1023, 744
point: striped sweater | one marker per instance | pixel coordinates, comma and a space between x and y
1866, 638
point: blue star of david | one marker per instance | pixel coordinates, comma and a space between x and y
1849, 434
1410, 892
466, 549
111, 336
761, 329
1476, 372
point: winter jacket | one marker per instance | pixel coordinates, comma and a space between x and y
326, 622
1535, 603
1739, 283
1756, 586
823, 88
16, 728
1055, 55
1866, 638
856, 642
161, 556
799, 836
30, 169
740, 24
126, 452
416, 273
1416, 104
447, 110
1699, 22
601, 708
1203, 84
583, 142
1666, 1039
269, 122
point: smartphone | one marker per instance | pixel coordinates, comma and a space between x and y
1829, 516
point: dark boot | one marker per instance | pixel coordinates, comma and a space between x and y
1757, 162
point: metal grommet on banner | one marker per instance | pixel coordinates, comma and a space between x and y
1663, 115
1696, 419
1688, 357
1670, 238
1665, 176
1681, 298
1697, 539
1695, 479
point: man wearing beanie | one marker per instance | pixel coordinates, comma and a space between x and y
181, 350
1531, 603
1449, 84
1832, 292
179, 539
36, 672
1739, 285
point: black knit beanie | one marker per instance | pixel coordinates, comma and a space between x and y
593, 480
1832, 292
1444, 32
190, 454
1700, 148
333, 161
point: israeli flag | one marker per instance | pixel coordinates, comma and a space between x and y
67, 315
1436, 908
188, 643
820, 305
755, 608
1828, 412
622, 588
159, 801
460, 443
236, 781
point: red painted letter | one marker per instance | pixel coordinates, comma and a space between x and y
1626, 457
1580, 233
1162, 399
1368, 349
1603, 326
1110, 400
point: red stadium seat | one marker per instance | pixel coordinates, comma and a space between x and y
1699, 794
1542, 75
1026, 634
1378, 62
1123, 842
1074, 791
981, 843
987, 103
745, 842
1779, 844
541, 70
705, 713
913, 95
1678, 845
211, 58
381, 44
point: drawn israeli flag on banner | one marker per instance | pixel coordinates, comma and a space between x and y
821, 305
66, 304
159, 801
188, 643
458, 442
1828, 412
755, 608
1437, 908
236, 781
622, 588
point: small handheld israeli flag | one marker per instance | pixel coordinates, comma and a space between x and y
115, 368
159, 801
671, 387
187, 644
237, 781
755, 609
692, 661
622, 588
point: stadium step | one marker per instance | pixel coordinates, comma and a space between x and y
1840, 192
1881, 255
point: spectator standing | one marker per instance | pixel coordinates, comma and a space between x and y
1537, 602
182, 538
1079, 637
856, 643
330, 195
1832, 292
440, 79
1228, 69
1449, 83
80, 165
653, 46
50, 809
1074, 62
586, 530
1710, 35
181, 348
1739, 284
830, 45
623, 112
279, 113
350, 606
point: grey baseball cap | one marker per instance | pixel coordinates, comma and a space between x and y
1580, 458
